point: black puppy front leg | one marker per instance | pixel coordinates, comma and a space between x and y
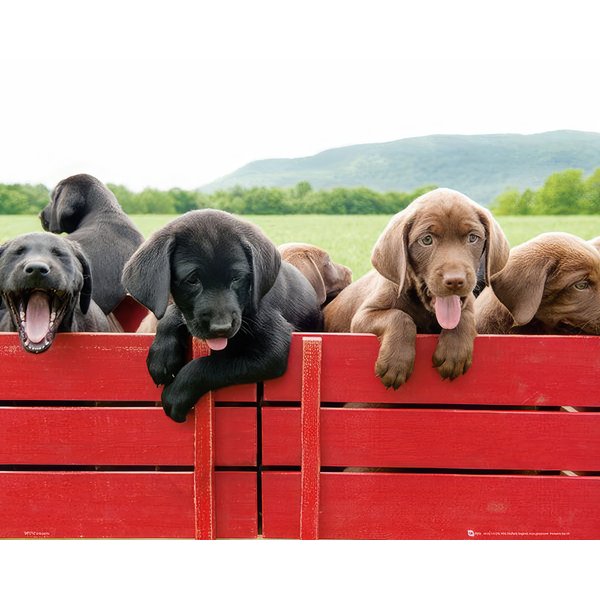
170, 349
266, 358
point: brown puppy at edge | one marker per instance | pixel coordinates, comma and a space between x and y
550, 285
426, 262
327, 278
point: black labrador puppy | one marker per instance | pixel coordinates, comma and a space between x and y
88, 211
46, 285
230, 288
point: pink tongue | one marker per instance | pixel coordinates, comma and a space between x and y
447, 311
217, 343
37, 317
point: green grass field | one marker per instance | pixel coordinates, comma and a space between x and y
347, 238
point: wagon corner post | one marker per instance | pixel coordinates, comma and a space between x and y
204, 458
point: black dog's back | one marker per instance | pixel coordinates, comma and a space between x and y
85, 209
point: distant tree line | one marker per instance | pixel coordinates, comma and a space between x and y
564, 193
300, 199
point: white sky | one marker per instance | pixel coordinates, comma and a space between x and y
179, 93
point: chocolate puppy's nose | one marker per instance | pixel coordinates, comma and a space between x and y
454, 282
37, 268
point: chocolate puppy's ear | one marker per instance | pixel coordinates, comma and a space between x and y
85, 295
520, 284
496, 249
147, 274
390, 253
307, 266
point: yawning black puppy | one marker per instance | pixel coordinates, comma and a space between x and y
229, 288
46, 285
88, 211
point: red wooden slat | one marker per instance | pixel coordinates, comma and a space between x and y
437, 506
204, 461
507, 370
120, 504
439, 439
88, 367
119, 436
310, 438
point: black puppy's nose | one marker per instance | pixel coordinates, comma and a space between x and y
220, 329
37, 267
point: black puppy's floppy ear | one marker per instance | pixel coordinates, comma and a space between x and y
85, 296
147, 274
265, 262
68, 202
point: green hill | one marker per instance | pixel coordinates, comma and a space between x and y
481, 166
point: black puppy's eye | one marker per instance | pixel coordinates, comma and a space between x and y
193, 279
19, 250
236, 281
426, 240
582, 285
56, 252
473, 238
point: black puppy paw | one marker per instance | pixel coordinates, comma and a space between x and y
174, 405
165, 360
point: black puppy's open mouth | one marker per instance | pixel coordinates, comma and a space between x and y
37, 315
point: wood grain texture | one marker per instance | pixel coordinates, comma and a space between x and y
119, 436
98, 367
439, 438
506, 370
123, 504
437, 506
310, 447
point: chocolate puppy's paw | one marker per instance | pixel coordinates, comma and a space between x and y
452, 357
394, 368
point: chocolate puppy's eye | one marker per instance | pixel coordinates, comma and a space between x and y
582, 285
426, 240
473, 238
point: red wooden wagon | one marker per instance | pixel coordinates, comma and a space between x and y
86, 450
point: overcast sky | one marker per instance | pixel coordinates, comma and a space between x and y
168, 96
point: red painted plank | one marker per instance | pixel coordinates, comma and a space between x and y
119, 436
204, 457
437, 506
120, 504
439, 439
88, 367
310, 438
507, 370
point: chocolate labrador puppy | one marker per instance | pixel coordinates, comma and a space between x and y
550, 285
327, 278
46, 284
88, 211
426, 262
230, 288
